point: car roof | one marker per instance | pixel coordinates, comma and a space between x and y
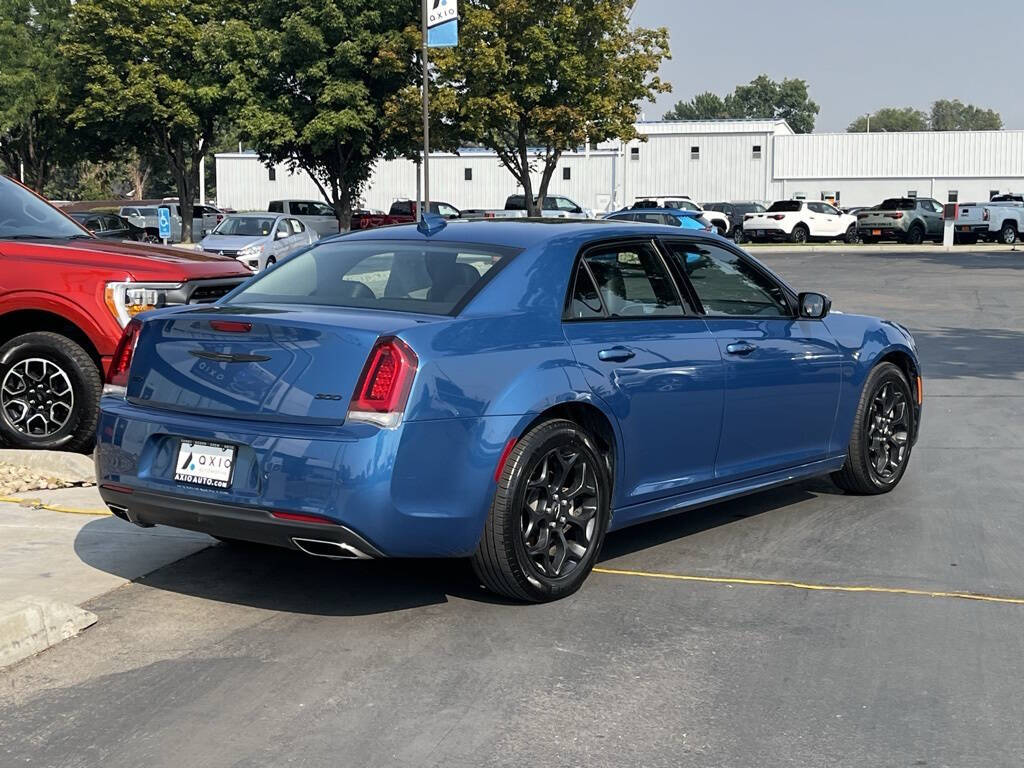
676, 211
521, 233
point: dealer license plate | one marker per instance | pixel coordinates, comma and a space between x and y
965, 228
759, 233
206, 464
876, 232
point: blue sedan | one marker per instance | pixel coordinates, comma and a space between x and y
673, 217
508, 391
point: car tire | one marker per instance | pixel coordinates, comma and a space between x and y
915, 235
50, 391
883, 424
1008, 233
738, 236
800, 234
851, 235
518, 556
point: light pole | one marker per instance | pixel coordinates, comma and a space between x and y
426, 119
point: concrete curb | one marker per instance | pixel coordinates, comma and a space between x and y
854, 248
29, 625
67, 467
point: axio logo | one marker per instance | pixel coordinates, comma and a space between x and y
442, 11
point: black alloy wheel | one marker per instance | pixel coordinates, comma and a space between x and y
883, 434
852, 235
549, 516
49, 393
915, 235
800, 234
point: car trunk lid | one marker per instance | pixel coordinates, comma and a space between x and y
274, 363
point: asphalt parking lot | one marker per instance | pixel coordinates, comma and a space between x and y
267, 658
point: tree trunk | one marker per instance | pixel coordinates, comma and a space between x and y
550, 164
524, 165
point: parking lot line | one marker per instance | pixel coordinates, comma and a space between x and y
813, 587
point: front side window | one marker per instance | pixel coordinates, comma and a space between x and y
633, 281
25, 216
565, 204
378, 274
447, 211
297, 226
726, 284
283, 230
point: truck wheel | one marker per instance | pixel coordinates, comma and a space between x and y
800, 234
49, 393
915, 236
1008, 234
852, 235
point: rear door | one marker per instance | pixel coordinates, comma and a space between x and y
652, 362
782, 373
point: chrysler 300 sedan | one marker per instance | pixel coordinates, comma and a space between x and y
507, 391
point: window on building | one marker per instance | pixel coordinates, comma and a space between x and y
468, 174
566, 174
634, 153
757, 151
695, 153
912, 194
954, 196
272, 173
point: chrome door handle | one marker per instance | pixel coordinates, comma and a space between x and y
739, 348
616, 354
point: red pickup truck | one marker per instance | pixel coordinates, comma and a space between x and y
65, 297
402, 212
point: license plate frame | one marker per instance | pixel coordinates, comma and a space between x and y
876, 232
204, 464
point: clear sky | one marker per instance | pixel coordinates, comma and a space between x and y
855, 56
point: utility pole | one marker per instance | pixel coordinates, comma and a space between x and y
426, 119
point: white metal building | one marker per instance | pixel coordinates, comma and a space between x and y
708, 161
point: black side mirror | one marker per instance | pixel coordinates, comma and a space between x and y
814, 306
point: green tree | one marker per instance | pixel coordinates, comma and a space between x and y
956, 116
557, 72
153, 72
703, 106
891, 119
765, 99
332, 89
34, 130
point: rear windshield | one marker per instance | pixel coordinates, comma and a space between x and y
897, 204
147, 211
379, 274
749, 208
785, 206
682, 205
248, 226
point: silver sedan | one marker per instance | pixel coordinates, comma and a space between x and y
258, 240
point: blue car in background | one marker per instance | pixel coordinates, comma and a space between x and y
672, 217
507, 391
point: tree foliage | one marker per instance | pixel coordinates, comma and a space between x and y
153, 72
333, 89
891, 119
34, 131
555, 73
956, 116
761, 99
945, 116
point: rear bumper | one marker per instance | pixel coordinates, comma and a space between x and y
421, 490
230, 522
760, 232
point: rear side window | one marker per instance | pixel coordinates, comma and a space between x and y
379, 274
277, 206
586, 302
633, 281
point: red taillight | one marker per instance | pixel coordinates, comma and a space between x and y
230, 326
297, 517
986, 214
384, 384
117, 373
894, 215
777, 216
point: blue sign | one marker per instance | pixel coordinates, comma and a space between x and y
442, 23
163, 217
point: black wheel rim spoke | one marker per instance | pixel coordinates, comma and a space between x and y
559, 514
36, 397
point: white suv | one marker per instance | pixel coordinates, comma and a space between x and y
799, 221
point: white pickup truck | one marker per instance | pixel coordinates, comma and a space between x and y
1000, 221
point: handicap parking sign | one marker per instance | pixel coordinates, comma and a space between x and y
164, 221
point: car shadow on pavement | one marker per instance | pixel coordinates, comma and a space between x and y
276, 579
951, 353
964, 259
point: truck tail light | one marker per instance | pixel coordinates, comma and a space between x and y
777, 216
986, 214
894, 215
120, 365
383, 388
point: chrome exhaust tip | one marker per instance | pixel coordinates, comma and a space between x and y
118, 511
333, 550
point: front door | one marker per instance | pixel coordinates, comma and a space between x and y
654, 364
782, 372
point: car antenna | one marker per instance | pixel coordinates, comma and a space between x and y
431, 224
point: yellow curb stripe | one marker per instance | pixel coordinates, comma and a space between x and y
54, 508
813, 587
